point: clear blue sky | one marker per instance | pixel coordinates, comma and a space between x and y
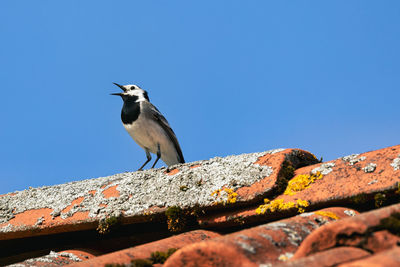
231, 77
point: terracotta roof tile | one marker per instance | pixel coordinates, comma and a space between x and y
362, 231
347, 180
331, 257
275, 208
145, 251
343, 182
387, 258
268, 243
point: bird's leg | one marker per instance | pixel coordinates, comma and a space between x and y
148, 159
158, 155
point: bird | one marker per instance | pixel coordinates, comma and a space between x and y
148, 127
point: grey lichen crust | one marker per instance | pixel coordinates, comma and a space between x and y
350, 213
353, 159
51, 259
324, 169
141, 190
369, 168
396, 163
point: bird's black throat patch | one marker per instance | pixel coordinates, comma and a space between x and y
131, 110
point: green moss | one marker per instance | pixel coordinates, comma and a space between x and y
285, 174
397, 192
176, 219
380, 199
391, 223
359, 199
161, 257
155, 257
141, 263
288, 169
106, 224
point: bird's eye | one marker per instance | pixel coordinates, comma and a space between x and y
132, 87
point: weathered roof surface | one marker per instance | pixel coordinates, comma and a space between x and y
276, 208
359, 179
136, 196
267, 243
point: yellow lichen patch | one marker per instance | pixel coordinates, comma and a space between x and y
301, 182
281, 205
328, 214
285, 257
301, 205
301, 210
225, 196
147, 213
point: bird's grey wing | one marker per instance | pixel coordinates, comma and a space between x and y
162, 121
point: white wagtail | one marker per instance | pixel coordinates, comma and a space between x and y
148, 127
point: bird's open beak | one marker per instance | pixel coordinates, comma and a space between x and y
120, 86
120, 94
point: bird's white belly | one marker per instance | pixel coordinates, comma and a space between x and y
147, 134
